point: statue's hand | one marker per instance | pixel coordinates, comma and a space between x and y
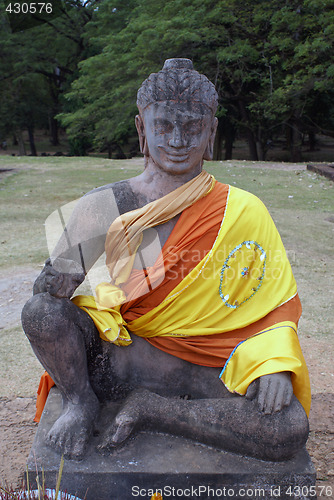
56, 283
273, 392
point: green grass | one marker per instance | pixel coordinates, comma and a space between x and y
37, 188
300, 202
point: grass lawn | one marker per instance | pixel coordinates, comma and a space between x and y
300, 202
37, 188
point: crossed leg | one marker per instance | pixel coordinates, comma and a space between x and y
61, 335
233, 424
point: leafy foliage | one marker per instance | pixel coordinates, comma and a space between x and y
269, 61
272, 63
37, 66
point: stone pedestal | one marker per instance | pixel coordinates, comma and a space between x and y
178, 468
323, 169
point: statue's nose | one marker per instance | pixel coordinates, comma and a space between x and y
177, 140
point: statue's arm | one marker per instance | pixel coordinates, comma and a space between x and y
57, 283
79, 246
65, 271
273, 392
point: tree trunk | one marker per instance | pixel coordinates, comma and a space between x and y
261, 145
293, 143
262, 148
312, 140
32, 141
262, 151
249, 133
229, 139
22, 148
54, 86
252, 145
15, 143
120, 155
218, 145
54, 138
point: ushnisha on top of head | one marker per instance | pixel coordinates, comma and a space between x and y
178, 82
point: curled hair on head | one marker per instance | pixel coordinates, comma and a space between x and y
177, 81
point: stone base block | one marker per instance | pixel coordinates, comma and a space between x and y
323, 169
176, 467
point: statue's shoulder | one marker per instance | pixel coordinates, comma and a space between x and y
116, 197
246, 199
95, 211
249, 209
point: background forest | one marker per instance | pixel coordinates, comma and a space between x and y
272, 63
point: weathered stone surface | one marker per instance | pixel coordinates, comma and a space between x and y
178, 467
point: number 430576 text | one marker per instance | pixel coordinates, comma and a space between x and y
29, 8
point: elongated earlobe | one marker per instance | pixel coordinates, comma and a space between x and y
141, 135
208, 153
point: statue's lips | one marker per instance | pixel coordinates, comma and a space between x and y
177, 156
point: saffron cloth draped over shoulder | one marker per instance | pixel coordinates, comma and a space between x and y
221, 293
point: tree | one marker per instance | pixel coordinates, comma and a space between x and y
37, 66
269, 61
301, 40
217, 36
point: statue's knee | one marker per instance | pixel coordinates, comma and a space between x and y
40, 315
298, 430
290, 431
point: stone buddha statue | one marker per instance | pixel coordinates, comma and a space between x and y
195, 330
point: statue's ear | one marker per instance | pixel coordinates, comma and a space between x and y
208, 153
142, 136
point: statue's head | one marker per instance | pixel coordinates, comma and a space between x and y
176, 122
177, 82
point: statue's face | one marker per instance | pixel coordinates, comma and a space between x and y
178, 135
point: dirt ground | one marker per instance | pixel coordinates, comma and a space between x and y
17, 428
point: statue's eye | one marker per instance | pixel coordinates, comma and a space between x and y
162, 126
193, 127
